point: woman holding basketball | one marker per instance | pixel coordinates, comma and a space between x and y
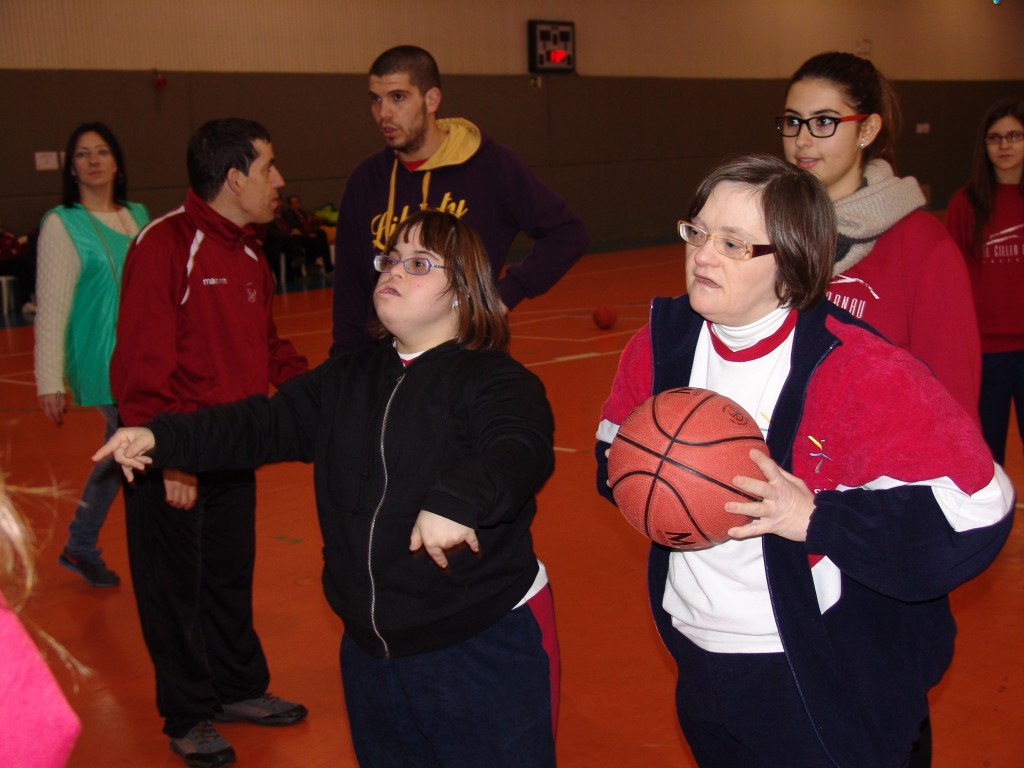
813, 635
427, 449
896, 268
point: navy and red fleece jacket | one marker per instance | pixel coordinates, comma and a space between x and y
909, 505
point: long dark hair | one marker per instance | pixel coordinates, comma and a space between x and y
69, 184
981, 189
866, 89
482, 324
798, 216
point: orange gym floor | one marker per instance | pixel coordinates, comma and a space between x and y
617, 680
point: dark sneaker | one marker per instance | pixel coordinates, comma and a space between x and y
266, 710
95, 572
203, 747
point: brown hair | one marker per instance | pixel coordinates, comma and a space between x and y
482, 324
866, 89
799, 218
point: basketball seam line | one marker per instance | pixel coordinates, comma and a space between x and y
678, 465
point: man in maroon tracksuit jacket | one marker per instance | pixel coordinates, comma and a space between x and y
195, 330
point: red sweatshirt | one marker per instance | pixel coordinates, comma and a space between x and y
914, 290
997, 276
195, 325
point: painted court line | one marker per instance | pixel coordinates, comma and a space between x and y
571, 358
584, 340
29, 379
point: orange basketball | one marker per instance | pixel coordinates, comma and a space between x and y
605, 317
672, 463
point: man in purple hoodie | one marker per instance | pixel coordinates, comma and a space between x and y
451, 165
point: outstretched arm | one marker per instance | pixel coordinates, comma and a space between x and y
129, 446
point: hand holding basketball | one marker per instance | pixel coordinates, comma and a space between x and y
785, 508
672, 464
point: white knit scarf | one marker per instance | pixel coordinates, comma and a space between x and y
871, 211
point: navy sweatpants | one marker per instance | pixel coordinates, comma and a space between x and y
491, 700
740, 710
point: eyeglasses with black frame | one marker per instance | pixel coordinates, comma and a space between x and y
414, 265
729, 247
1012, 137
819, 126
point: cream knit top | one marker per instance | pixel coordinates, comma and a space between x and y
56, 276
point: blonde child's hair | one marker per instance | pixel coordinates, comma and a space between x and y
18, 573
17, 555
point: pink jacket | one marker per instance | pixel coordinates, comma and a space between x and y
38, 728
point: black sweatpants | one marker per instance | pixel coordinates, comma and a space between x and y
192, 571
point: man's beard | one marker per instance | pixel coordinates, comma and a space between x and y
415, 137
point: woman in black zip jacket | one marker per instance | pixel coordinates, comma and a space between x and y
428, 450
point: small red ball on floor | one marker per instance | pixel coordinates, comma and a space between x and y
605, 317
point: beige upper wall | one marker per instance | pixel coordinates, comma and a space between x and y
908, 39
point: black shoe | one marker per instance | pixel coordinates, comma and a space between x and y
203, 747
265, 710
95, 572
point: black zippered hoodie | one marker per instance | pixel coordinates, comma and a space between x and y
466, 435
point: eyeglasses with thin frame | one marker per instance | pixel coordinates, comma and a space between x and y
414, 265
819, 126
995, 139
729, 247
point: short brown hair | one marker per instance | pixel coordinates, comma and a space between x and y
482, 323
410, 60
798, 216
216, 147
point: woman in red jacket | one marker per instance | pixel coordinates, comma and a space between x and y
895, 268
986, 219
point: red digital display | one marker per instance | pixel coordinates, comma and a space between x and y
552, 46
